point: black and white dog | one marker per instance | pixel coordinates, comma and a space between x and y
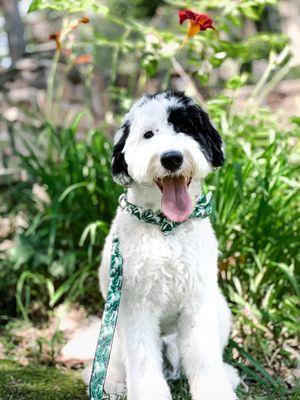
162, 153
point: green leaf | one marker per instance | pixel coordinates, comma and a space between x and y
250, 11
35, 5
295, 120
150, 66
255, 363
70, 189
91, 230
70, 6
237, 81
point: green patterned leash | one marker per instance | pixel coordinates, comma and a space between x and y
202, 209
108, 325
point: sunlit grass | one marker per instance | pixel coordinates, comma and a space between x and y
35, 382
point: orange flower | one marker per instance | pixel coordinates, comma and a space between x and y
83, 59
85, 20
198, 22
75, 24
60, 36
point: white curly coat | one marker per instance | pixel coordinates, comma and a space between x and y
170, 296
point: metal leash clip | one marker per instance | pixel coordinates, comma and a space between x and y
122, 201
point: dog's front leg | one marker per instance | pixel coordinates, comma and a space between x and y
143, 359
201, 352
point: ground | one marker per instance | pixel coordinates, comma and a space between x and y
33, 367
35, 382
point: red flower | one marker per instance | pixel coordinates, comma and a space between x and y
198, 22
56, 38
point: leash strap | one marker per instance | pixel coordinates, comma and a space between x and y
108, 325
111, 309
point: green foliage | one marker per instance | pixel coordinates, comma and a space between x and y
136, 7
67, 223
120, 37
257, 223
65, 5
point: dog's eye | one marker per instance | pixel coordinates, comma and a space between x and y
148, 135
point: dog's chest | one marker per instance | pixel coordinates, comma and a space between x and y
162, 271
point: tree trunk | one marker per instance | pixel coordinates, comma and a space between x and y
14, 29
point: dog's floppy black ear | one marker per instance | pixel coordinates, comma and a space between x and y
193, 121
119, 166
213, 141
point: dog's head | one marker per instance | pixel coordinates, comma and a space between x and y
169, 141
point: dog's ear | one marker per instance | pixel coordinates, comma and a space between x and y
119, 166
194, 122
213, 141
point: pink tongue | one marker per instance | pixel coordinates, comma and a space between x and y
176, 202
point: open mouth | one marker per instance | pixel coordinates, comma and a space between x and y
176, 202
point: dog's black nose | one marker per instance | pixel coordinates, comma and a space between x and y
171, 160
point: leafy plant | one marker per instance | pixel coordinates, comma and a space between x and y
118, 37
74, 201
71, 6
257, 220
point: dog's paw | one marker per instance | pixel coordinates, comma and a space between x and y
150, 388
213, 387
115, 388
232, 375
115, 383
211, 393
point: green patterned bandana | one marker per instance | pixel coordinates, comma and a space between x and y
110, 314
202, 209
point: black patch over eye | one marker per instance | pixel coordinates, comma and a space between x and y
148, 135
193, 121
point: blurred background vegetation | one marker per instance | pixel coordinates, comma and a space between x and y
69, 70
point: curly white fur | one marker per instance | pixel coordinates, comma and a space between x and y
170, 292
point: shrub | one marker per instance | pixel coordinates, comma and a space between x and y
68, 215
257, 223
